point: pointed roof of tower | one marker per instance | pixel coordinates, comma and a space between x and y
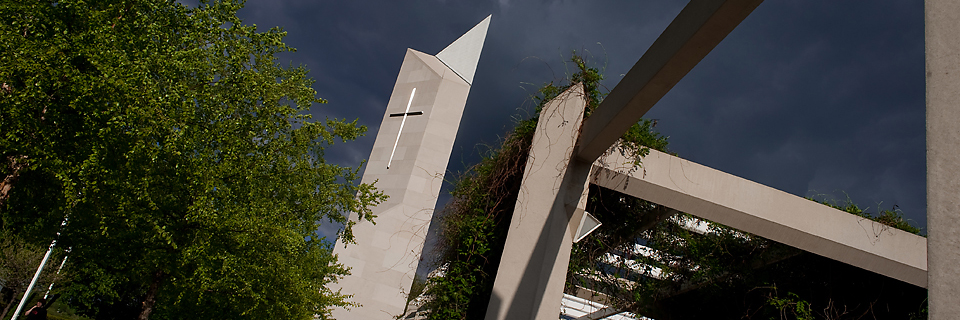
463, 54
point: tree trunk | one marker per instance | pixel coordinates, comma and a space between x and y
16, 164
13, 300
151, 298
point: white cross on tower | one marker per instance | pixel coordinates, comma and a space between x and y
402, 122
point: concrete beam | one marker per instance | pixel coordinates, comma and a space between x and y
942, 21
770, 213
533, 267
699, 27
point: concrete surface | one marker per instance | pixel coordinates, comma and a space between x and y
533, 268
942, 21
463, 54
767, 212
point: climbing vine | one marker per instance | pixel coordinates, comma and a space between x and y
892, 217
475, 222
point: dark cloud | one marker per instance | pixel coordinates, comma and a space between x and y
808, 97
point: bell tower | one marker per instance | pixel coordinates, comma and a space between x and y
408, 162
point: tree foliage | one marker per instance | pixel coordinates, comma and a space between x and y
181, 154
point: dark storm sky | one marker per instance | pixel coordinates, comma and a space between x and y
810, 97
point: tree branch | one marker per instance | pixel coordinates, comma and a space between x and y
16, 165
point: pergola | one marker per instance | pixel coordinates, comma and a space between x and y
568, 153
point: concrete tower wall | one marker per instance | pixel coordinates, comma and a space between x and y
407, 163
385, 258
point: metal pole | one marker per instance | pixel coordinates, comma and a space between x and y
37, 275
46, 294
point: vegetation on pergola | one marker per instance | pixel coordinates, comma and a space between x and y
716, 272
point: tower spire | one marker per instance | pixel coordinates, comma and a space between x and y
463, 54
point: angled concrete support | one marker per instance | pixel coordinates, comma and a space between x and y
533, 268
767, 212
691, 36
942, 21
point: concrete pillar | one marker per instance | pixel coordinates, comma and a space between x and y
533, 268
942, 20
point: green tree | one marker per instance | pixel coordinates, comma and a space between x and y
180, 153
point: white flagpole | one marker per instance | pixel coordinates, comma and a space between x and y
46, 294
37, 275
